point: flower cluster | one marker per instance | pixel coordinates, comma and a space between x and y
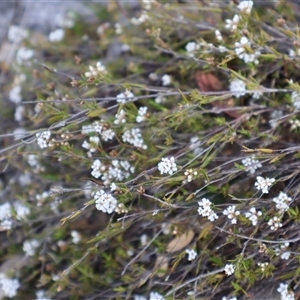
253, 215
243, 47
30, 246
9, 286
294, 124
281, 250
156, 296
195, 145
263, 265
231, 213
274, 116
284, 293
282, 202
41, 295
232, 24
275, 223
296, 99
124, 97
192, 254
94, 72
229, 269
245, 6
263, 184
120, 117
16, 34
189, 174
167, 166
143, 17
141, 114
92, 145
134, 137
251, 164
101, 128
206, 211
6, 214
43, 139
24, 54
105, 202
238, 87
117, 171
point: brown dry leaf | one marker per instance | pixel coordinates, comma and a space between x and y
180, 242
207, 82
161, 265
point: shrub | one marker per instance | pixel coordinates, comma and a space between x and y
155, 157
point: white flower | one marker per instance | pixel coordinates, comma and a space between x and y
285, 294
94, 141
192, 254
263, 184
206, 211
245, 6
167, 166
274, 116
105, 202
98, 168
231, 213
141, 114
21, 210
242, 48
156, 296
138, 297
144, 239
191, 48
263, 266
137, 21
29, 247
282, 202
9, 286
285, 255
15, 94
294, 124
24, 54
195, 145
123, 97
118, 28
253, 215
134, 137
251, 164
189, 174
296, 99
76, 237
56, 35
229, 269
18, 115
218, 35
41, 295
238, 87
275, 223
293, 53
120, 117
16, 34
43, 139
93, 72
166, 79
232, 24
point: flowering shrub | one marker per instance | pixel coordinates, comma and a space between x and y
154, 158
